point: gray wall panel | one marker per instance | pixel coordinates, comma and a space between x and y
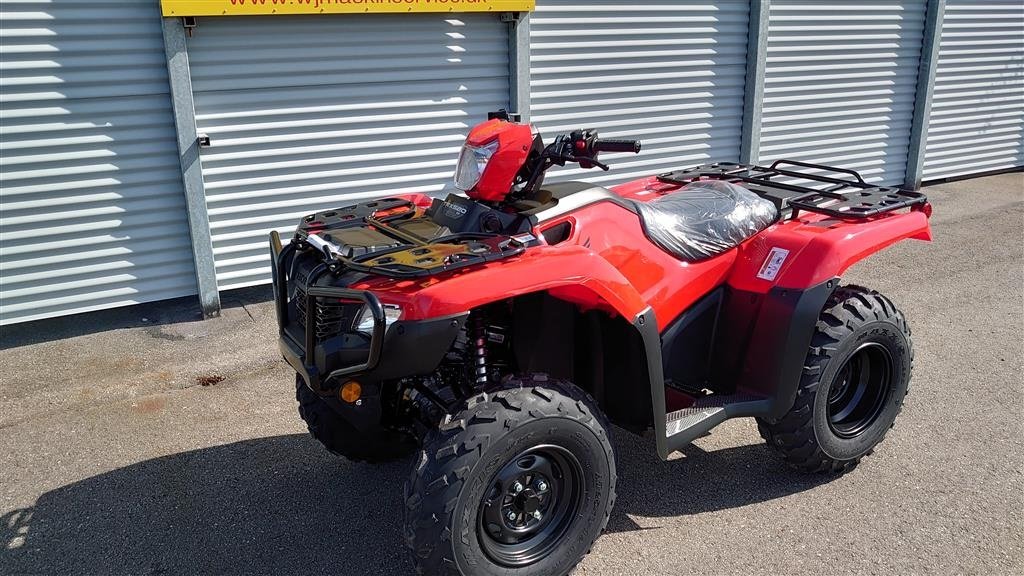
840, 84
308, 113
977, 118
669, 73
92, 213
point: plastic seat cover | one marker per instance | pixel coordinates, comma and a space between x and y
705, 218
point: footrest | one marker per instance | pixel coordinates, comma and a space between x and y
693, 421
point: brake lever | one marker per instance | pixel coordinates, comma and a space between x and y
591, 161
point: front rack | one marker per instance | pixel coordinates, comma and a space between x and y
409, 255
839, 197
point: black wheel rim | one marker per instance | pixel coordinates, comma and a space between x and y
860, 390
529, 505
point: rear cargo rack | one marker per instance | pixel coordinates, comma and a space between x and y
851, 198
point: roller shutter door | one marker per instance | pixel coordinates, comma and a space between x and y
306, 113
977, 118
840, 84
92, 213
668, 72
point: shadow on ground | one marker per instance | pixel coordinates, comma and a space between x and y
175, 311
282, 505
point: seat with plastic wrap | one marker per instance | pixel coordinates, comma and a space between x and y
705, 218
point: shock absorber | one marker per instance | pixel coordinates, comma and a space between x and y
479, 335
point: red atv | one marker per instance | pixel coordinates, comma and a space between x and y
501, 333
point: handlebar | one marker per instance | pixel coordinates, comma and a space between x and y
614, 145
579, 146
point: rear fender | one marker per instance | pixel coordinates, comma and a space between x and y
790, 271
815, 250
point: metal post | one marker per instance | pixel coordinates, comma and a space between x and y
753, 96
191, 171
925, 90
519, 63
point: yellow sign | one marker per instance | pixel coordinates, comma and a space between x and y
275, 7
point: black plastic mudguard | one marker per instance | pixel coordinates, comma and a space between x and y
769, 361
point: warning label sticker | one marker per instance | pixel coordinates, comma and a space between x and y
773, 263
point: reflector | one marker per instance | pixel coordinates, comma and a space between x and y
351, 391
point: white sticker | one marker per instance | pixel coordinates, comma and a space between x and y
773, 263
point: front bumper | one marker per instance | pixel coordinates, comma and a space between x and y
406, 348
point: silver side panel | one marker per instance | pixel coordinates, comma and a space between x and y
576, 201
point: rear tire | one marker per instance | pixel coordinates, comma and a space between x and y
854, 380
343, 439
522, 481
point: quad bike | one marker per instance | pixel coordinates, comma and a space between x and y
501, 332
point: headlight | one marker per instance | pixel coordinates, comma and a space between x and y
472, 161
364, 320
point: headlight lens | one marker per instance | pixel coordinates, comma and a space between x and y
472, 161
364, 320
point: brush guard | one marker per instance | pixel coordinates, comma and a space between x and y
300, 355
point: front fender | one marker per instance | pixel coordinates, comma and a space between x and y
572, 272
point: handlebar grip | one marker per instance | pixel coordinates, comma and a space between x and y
612, 145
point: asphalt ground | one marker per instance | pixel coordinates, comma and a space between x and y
116, 459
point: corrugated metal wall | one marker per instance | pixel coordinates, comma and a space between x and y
92, 213
668, 72
307, 113
840, 84
977, 118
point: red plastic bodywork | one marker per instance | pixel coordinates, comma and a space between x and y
514, 141
608, 263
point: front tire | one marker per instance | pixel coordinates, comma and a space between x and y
343, 439
855, 378
522, 482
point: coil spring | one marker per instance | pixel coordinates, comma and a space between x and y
480, 367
